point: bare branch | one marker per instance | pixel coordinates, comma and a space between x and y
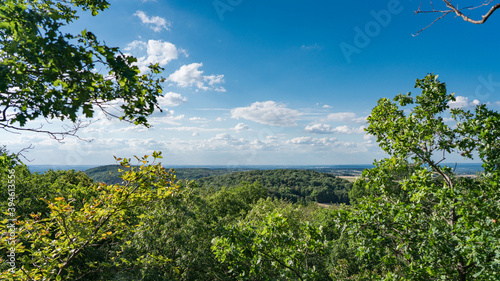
466, 18
22, 151
457, 11
418, 32
58, 136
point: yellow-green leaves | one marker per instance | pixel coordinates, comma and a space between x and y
57, 240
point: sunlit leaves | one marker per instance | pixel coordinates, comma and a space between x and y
415, 219
45, 72
270, 249
53, 242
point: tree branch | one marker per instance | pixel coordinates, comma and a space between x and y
59, 136
484, 18
458, 12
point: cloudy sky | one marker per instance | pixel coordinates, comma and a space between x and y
274, 82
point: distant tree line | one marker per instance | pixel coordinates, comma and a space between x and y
289, 184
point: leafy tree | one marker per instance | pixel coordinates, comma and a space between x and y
63, 245
270, 249
417, 220
180, 229
30, 187
46, 72
234, 202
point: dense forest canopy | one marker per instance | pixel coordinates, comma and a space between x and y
289, 184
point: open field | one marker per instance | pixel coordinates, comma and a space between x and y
349, 178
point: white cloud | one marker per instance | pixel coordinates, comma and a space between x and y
327, 106
155, 23
190, 75
268, 113
369, 138
349, 130
198, 120
136, 44
341, 116
168, 118
348, 117
463, 102
157, 52
319, 129
194, 129
241, 127
312, 141
223, 140
311, 47
171, 99
327, 129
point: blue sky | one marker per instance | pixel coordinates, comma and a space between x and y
274, 82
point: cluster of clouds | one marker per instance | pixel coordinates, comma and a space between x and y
162, 53
466, 103
277, 114
328, 129
111, 136
463, 102
191, 76
268, 113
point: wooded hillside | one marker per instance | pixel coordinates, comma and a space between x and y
293, 185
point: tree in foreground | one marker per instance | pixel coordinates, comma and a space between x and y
77, 240
272, 243
47, 73
415, 218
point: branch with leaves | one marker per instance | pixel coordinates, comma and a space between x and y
48, 74
47, 247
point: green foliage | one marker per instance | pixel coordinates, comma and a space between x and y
108, 174
293, 185
30, 187
270, 249
45, 72
237, 201
179, 229
415, 219
52, 247
7, 160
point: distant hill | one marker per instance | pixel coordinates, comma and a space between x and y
290, 184
109, 174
